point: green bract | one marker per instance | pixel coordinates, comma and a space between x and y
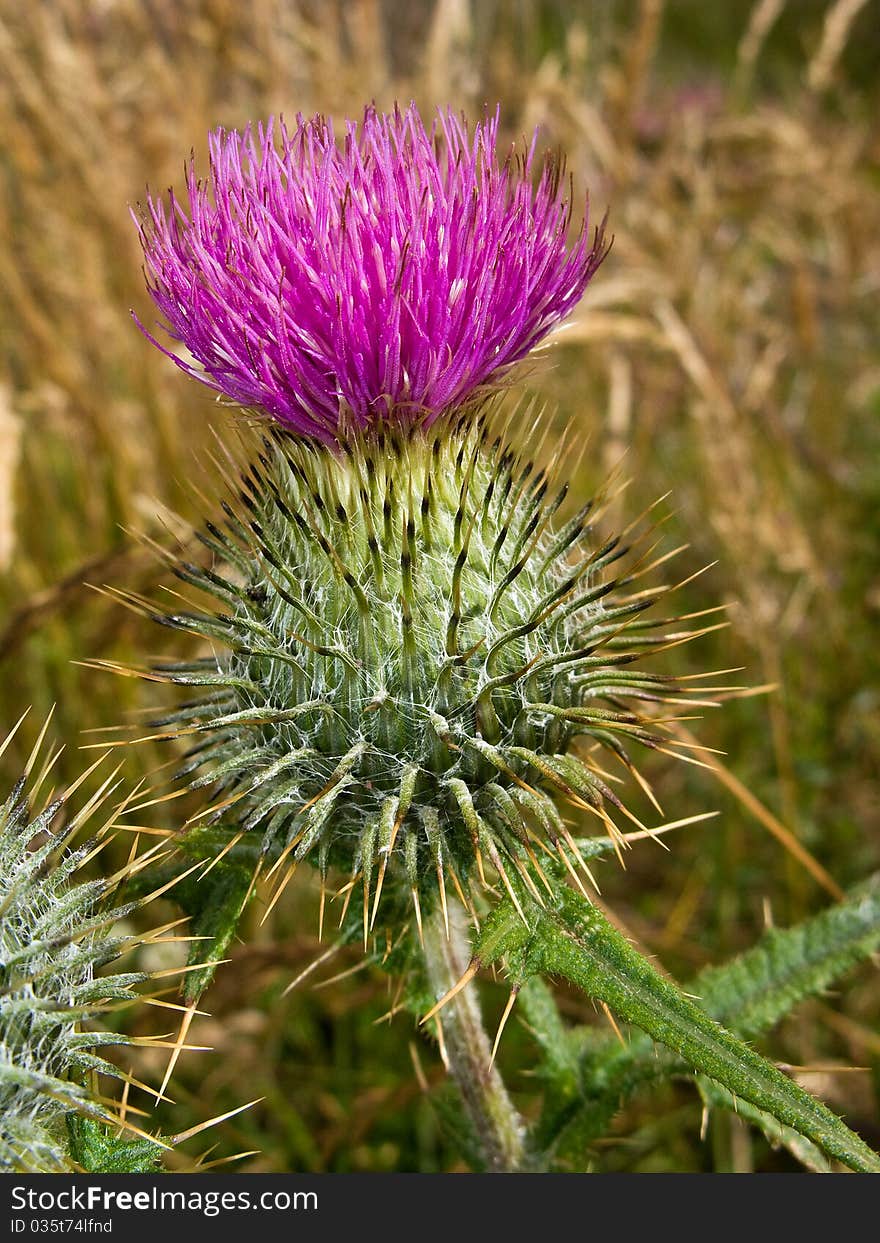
412, 647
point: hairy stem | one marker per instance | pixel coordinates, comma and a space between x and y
495, 1120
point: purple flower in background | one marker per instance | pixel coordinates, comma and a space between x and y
388, 276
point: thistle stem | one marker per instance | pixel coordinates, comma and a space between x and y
496, 1122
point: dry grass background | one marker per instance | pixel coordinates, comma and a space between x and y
729, 347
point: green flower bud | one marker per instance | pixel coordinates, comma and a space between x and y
56, 936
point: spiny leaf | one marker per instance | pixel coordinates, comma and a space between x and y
214, 901
755, 990
571, 938
716, 1097
99, 1150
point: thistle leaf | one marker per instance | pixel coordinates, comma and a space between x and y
754, 991
99, 1151
716, 1097
749, 994
573, 939
214, 901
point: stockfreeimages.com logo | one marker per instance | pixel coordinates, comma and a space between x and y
96, 1199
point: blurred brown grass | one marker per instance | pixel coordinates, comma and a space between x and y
729, 348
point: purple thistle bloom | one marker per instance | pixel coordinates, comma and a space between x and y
386, 277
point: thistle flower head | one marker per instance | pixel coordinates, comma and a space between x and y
55, 937
388, 276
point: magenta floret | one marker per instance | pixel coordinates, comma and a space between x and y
388, 276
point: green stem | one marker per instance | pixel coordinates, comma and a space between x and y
495, 1120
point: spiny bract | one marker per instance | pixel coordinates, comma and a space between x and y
411, 648
55, 936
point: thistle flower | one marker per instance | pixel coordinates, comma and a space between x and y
413, 655
390, 277
55, 936
411, 644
